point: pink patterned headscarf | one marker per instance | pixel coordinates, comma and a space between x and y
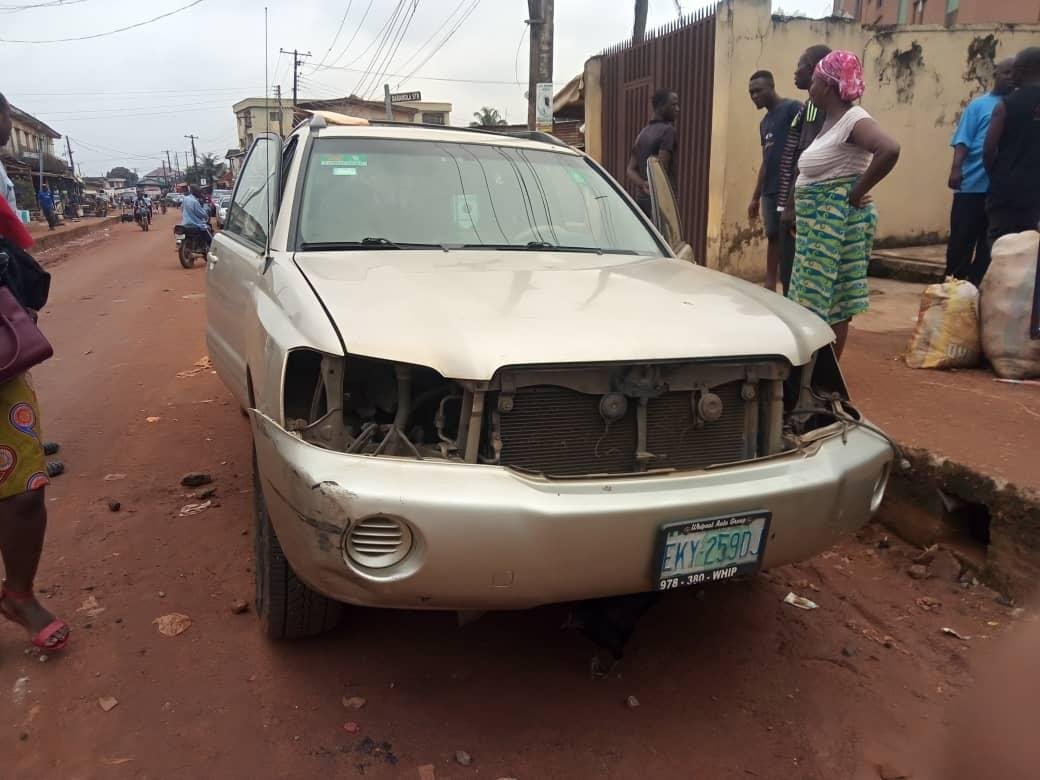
844, 69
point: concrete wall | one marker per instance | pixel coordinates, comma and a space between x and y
941, 11
918, 81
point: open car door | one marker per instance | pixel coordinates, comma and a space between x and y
666, 210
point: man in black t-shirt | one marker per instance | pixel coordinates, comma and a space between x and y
773, 130
657, 139
1012, 153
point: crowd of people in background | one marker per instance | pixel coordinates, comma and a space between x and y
824, 155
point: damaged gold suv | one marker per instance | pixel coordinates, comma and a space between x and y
480, 378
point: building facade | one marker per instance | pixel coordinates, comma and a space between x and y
943, 12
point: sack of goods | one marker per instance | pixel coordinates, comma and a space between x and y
1007, 306
947, 332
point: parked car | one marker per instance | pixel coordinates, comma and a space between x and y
174, 198
222, 209
479, 378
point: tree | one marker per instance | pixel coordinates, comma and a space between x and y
119, 172
487, 117
209, 168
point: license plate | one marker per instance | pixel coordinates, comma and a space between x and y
693, 552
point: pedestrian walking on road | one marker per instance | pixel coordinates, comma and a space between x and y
804, 129
46, 199
1012, 152
23, 510
773, 130
657, 139
835, 217
967, 252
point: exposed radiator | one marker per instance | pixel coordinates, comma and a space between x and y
559, 432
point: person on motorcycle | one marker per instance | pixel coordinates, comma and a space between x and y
195, 213
142, 207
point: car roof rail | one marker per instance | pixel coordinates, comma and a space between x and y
536, 135
529, 135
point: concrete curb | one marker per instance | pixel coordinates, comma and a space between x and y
52, 240
904, 269
914, 510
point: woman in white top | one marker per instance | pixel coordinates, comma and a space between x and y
835, 218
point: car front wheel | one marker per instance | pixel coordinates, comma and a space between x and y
288, 609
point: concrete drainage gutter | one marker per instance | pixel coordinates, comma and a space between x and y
52, 240
991, 525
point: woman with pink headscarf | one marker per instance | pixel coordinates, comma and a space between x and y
834, 216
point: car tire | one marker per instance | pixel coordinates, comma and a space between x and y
287, 608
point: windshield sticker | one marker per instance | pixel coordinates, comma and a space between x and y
344, 171
467, 211
577, 176
353, 160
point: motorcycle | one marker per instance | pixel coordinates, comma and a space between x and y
143, 217
192, 243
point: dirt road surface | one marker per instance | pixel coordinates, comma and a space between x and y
731, 682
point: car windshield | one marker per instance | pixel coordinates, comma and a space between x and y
403, 194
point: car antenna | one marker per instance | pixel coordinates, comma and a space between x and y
267, 188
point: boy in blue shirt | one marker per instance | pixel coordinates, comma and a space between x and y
967, 253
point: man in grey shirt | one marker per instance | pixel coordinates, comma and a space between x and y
657, 139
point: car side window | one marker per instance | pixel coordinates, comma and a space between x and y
252, 209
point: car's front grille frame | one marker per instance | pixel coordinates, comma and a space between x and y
556, 429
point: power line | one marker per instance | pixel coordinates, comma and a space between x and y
382, 37
434, 34
134, 92
110, 32
336, 36
444, 41
353, 37
14, 9
81, 118
388, 61
447, 79
516, 59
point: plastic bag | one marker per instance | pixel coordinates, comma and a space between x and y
947, 332
1007, 305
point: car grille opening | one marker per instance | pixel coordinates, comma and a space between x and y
378, 541
560, 432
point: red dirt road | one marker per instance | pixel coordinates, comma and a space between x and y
732, 683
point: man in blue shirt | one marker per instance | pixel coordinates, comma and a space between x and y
967, 253
195, 213
46, 199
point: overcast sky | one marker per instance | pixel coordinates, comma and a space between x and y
123, 98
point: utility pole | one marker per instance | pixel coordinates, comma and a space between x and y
639, 25
168, 167
278, 97
297, 57
389, 105
194, 156
540, 65
72, 165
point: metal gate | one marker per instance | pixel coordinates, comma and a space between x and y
681, 57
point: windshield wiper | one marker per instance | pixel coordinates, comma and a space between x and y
546, 246
365, 243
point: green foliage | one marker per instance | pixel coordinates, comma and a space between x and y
487, 117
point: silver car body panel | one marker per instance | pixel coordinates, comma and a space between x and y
467, 313
487, 537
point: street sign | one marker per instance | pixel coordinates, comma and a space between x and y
543, 113
406, 97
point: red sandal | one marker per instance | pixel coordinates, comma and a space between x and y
47, 632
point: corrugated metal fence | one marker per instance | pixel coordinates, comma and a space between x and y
681, 57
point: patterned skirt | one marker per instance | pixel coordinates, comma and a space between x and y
23, 466
832, 250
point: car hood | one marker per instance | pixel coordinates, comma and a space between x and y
467, 313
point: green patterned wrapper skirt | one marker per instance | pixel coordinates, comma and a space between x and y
832, 249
